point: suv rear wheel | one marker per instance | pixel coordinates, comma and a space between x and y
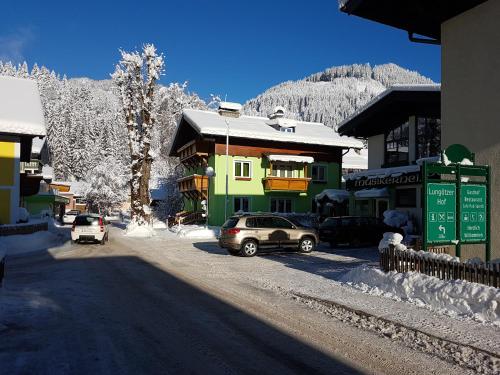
306, 245
249, 248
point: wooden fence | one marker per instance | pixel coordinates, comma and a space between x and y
404, 261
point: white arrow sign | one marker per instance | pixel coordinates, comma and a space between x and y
442, 229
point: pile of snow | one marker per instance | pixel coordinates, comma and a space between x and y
27, 243
158, 224
453, 297
23, 215
395, 239
136, 230
395, 218
196, 231
335, 195
390, 238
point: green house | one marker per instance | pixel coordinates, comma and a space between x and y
260, 164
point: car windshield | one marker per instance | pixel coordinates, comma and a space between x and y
87, 220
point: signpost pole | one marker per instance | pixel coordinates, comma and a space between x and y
424, 205
458, 218
488, 213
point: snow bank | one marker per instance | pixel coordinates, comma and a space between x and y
27, 243
456, 298
395, 239
395, 218
135, 230
336, 195
196, 231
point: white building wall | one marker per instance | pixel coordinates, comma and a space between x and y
376, 151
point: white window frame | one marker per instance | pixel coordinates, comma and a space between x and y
325, 167
280, 198
241, 197
250, 169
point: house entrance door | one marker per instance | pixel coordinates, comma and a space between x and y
381, 206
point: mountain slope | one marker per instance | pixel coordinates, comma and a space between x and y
334, 94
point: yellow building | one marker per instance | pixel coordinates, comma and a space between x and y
21, 119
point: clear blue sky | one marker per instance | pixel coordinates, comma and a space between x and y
234, 48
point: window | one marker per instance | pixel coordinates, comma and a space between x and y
362, 207
241, 204
283, 170
318, 173
428, 137
406, 197
281, 205
80, 200
396, 146
287, 130
278, 222
242, 169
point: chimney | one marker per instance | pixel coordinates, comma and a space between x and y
278, 112
229, 109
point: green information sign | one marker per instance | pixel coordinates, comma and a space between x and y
441, 212
473, 213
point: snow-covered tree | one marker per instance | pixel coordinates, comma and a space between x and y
136, 76
106, 186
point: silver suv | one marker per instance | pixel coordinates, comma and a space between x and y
246, 234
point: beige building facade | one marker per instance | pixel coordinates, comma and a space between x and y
470, 96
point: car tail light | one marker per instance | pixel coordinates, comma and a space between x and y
233, 231
101, 224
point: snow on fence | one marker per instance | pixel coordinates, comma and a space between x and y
404, 261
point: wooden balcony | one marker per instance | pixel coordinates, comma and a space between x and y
194, 186
193, 154
272, 183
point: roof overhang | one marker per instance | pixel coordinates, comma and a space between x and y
422, 17
392, 108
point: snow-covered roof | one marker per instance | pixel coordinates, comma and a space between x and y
291, 158
37, 145
211, 123
230, 105
355, 160
47, 172
382, 172
336, 195
21, 110
414, 87
372, 193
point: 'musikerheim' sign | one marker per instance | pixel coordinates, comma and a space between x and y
404, 179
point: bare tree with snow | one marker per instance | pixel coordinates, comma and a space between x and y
136, 76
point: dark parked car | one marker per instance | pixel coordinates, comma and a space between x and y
354, 230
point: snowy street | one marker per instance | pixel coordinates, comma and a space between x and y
168, 305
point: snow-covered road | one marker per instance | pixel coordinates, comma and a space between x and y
166, 305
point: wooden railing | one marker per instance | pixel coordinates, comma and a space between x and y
194, 186
194, 153
405, 261
189, 217
272, 183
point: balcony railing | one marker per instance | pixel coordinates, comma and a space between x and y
193, 154
33, 166
194, 186
294, 184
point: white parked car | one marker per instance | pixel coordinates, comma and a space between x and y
69, 216
89, 227
115, 215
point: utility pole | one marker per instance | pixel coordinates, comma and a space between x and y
227, 170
